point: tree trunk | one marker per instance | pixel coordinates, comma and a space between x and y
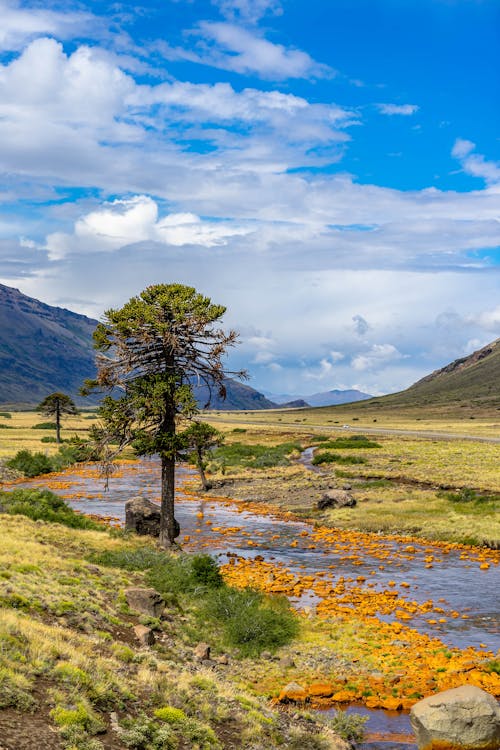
169, 528
199, 461
58, 423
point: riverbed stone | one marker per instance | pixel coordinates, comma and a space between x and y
202, 652
464, 718
142, 516
293, 693
336, 499
146, 601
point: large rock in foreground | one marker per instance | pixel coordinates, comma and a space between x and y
142, 516
336, 499
465, 718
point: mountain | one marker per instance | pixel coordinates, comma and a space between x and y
332, 398
469, 386
42, 348
45, 349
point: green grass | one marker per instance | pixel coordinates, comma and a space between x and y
39, 504
254, 456
329, 458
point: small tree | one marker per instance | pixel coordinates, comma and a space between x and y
153, 349
201, 437
56, 405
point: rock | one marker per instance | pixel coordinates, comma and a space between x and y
336, 499
286, 662
293, 693
202, 652
144, 635
321, 690
464, 718
223, 659
146, 601
266, 655
142, 516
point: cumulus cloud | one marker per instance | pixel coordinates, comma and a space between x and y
377, 355
476, 164
397, 109
134, 220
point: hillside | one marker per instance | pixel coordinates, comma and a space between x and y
45, 349
332, 398
42, 348
467, 387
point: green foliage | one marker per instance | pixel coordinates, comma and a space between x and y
329, 458
239, 430
5, 427
57, 404
48, 439
353, 441
137, 558
349, 726
170, 714
252, 622
40, 504
185, 574
254, 456
468, 495
44, 426
30, 464
6, 414
145, 734
33, 464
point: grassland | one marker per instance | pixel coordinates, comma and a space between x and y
400, 487
17, 433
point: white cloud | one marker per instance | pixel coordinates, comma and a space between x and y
20, 23
134, 220
250, 11
378, 354
397, 109
361, 326
476, 164
232, 47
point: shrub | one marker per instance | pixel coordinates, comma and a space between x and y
5, 427
184, 574
251, 621
48, 439
353, 441
40, 504
329, 458
30, 464
170, 714
44, 426
6, 414
468, 495
254, 456
349, 726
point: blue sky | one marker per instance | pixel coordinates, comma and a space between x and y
330, 171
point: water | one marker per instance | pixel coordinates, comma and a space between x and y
455, 580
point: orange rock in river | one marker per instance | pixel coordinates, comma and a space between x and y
293, 693
320, 689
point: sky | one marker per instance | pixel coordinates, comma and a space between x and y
329, 170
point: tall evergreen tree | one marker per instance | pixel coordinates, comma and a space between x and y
56, 405
154, 349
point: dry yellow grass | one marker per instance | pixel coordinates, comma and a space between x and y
20, 433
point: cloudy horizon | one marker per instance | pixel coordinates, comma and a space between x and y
329, 172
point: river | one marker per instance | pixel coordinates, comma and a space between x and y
466, 590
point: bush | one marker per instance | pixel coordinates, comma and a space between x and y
254, 456
139, 558
39, 504
30, 464
251, 621
354, 441
468, 495
185, 574
350, 727
6, 414
44, 426
48, 439
5, 427
329, 458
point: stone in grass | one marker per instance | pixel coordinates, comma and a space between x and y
144, 635
202, 652
293, 693
464, 718
336, 499
142, 516
146, 601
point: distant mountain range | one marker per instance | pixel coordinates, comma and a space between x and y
325, 398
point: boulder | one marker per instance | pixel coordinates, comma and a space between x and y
336, 499
293, 693
142, 516
464, 718
202, 652
146, 601
144, 635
